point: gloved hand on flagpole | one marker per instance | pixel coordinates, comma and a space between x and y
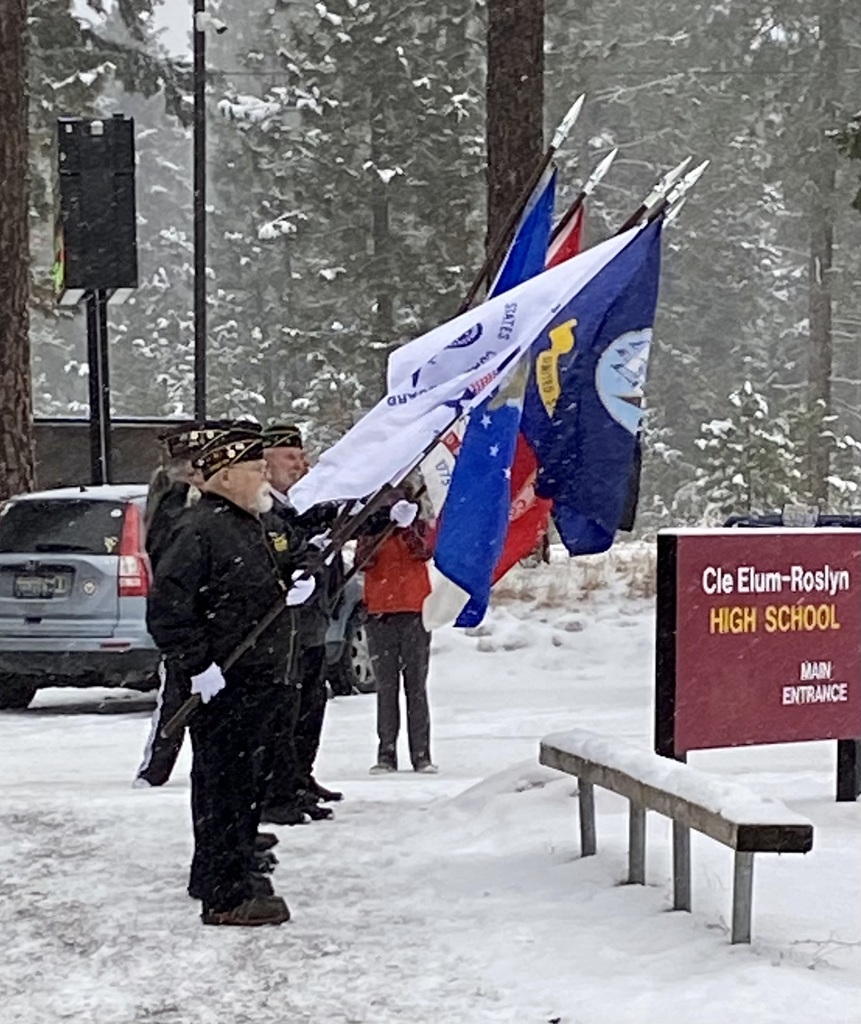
208, 683
403, 513
301, 589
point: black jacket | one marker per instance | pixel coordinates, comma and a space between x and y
220, 574
165, 520
314, 616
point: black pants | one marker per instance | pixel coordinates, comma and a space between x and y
160, 754
299, 739
400, 647
232, 746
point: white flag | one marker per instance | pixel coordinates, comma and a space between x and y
536, 300
442, 375
386, 443
437, 468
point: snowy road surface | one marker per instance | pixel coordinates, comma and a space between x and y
456, 899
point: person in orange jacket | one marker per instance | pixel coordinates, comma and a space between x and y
396, 584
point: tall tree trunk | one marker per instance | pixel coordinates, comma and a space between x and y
822, 212
515, 103
16, 451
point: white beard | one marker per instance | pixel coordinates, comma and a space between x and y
263, 500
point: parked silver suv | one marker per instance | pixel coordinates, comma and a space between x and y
74, 578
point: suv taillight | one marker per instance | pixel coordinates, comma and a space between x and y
133, 579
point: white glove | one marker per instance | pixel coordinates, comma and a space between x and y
319, 540
404, 513
300, 591
208, 684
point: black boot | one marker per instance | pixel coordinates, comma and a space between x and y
260, 885
259, 910
265, 841
328, 796
284, 815
317, 813
263, 862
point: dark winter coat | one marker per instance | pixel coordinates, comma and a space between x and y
314, 616
164, 520
222, 571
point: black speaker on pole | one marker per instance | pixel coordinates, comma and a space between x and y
97, 218
96, 246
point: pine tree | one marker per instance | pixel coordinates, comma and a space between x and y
733, 83
360, 157
82, 69
515, 106
152, 334
750, 461
16, 457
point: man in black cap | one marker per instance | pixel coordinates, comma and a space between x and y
218, 578
175, 486
294, 792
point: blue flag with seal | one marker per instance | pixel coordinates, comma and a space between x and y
583, 402
474, 520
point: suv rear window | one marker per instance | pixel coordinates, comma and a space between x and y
71, 525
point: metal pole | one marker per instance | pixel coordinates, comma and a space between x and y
586, 799
681, 867
742, 897
99, 385
636, 844
848, 770
199, 173
105, 385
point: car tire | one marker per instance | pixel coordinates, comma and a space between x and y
16, 692
354, 672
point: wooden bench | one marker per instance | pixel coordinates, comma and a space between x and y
727, 811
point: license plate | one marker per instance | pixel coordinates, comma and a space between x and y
41, 587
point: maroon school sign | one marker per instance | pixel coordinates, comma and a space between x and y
759, 637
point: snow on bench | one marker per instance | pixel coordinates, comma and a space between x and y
726, 811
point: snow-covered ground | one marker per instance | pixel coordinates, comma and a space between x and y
456, 899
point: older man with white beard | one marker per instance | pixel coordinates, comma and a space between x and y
223, 571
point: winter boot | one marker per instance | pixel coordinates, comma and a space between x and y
317, 813
258, 910
263, 863
284, 815
264, 841
328, 796
260, 884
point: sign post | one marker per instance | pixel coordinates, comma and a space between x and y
759, 641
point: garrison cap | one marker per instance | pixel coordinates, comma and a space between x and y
282, 435
188, 439
239, 442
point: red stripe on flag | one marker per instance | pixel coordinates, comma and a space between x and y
567, 242
529, 515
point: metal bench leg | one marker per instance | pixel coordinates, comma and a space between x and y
636, 844
681, 867
586, 797
742, 897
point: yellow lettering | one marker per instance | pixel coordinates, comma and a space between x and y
547, 364
733, 619
809, 618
